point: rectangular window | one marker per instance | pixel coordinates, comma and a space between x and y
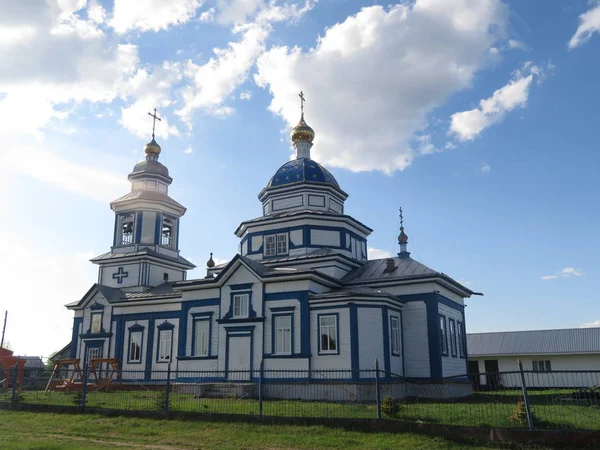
276, 244
270, 245
240, 305
443, 337
164, 345
127, 229
542, 366
167, 232
135, 346
328, 333
283, 334
282, 244
452, 326
93, 353
201, 337
461, 339
96, 326
395, 326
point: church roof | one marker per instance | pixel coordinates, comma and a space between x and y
142, 252
115, 295
302, 170
536, 342
357, 291
149, 166
153, 196
405, 268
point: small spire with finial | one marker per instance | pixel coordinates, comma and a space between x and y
210, 263
152, 148
302, 135
402, 238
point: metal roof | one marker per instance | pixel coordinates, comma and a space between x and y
153, 196
375, 269
144, 251
359, 291
537, 342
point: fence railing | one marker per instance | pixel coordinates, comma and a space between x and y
568, 400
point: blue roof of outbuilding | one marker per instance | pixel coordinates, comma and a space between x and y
299, 170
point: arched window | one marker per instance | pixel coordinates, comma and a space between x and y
168, 227
127, 229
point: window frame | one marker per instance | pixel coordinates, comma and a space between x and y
235, 296
203, 319
122, 219
461, 339
443, 334
275, 329
396, 341
452, 334
89, 350
160, 358
540, 365
93, 315
271, 244
336, 317
135, 330
171, 223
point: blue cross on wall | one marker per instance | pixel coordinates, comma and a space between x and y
120, 275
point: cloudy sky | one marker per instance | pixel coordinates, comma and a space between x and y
478, 117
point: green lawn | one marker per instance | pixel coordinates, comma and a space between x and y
553, 410
24, 430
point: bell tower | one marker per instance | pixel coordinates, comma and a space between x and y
145, 250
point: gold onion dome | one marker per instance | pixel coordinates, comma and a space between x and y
403, 237
302, 132
152, 148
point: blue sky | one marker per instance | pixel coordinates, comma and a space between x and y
478, 118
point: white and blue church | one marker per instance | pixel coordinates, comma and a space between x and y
300, 296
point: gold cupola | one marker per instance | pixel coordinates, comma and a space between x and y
302, 132
152, 148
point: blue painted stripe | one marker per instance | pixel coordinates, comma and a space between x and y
354, 337
77, 321
386, 340
150, 344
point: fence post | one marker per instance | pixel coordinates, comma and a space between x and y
260, 389
168, 393
84, 385
14, 384
377, 389
525, 397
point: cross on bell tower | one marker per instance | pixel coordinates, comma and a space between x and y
155, 118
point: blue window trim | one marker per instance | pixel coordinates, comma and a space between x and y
99, 344
165, 326
234, 331
273, 334
444, 343
460, 337
202, 317
337, 329
277, 254
136, 328
251, 312
95, 310
97, 307
397, 319
452, 325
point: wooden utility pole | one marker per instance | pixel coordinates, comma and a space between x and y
4, 329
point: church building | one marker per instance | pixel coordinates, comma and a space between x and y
301, 295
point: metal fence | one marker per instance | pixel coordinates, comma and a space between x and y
568, 400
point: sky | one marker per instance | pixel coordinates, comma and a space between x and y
478, 118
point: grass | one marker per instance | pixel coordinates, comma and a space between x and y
24, 430
551, 408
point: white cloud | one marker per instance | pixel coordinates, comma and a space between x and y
96, 12
215, 81
152, 15
376, 253
45, 165
564, 273
82, 66
188, 151
371, 80
589, 23
467, 125
246, 95
151, 89
208, 15
595, 323
485, 168
518, 45
236, 11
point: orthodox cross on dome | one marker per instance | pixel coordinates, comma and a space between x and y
302, 100
402, 238
401, 218
119, 275
155, 118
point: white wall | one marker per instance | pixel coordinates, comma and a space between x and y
416, 343
341, 360
370, 338
148, 227
581, 362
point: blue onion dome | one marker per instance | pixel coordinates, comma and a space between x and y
302, 132
301, 170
